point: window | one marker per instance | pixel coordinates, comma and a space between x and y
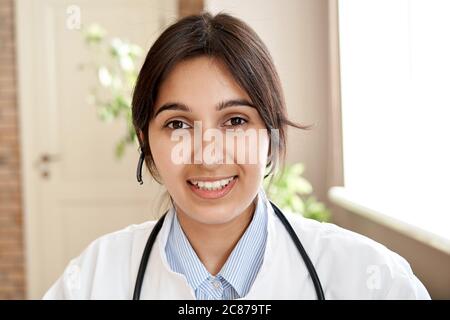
395, 82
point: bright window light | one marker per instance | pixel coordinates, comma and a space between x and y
395, 82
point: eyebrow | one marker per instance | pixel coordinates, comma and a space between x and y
220, 106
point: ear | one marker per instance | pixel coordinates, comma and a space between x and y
141, 135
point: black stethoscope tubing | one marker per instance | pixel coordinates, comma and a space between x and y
284, 221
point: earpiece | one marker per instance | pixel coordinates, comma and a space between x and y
139, 167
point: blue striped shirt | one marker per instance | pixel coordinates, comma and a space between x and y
239, 271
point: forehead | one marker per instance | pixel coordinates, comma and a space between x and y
199, 81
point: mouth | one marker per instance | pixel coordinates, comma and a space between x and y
215, 188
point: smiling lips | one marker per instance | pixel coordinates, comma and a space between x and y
212, 189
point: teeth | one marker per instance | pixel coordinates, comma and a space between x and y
212, 185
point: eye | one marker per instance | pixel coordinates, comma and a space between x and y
176, 124
236, 121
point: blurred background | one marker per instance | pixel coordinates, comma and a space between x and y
371, 75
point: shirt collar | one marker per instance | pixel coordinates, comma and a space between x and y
242, 265
182, 257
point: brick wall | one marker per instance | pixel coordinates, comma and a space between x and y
12, 282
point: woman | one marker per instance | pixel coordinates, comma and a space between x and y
212, 77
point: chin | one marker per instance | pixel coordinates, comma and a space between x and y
212, 216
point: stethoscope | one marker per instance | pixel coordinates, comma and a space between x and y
157, 228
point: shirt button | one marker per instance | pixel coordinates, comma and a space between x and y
216, 284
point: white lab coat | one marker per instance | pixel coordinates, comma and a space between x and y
349, 265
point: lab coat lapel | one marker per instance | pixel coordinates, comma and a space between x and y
160, 282
283, 274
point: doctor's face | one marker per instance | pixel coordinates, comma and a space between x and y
204, 138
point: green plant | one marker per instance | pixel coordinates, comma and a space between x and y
115, 63
292, 192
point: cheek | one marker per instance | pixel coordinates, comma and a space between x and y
250, 149
254, 171
263, 149
161, 148
252, 176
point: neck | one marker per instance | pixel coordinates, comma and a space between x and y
213, 243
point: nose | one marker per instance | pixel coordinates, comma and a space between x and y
209, 145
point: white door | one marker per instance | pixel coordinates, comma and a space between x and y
87, 192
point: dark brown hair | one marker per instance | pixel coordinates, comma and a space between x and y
241, 50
